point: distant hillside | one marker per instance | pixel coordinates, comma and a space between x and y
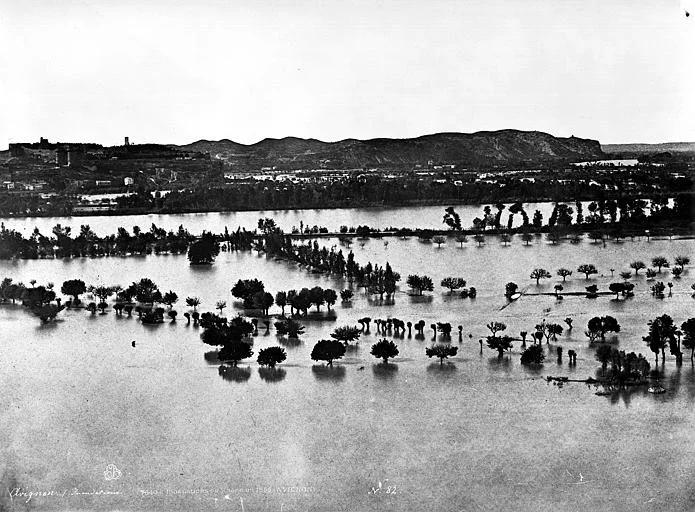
641, 149
485, 149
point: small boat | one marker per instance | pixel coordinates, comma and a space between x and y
657, 389
515, 296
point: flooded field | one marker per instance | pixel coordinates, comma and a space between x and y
476, 434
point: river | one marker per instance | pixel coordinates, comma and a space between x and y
430, 217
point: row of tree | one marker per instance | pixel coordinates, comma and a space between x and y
62, 244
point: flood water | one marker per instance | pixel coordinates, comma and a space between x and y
429, 217
475, 434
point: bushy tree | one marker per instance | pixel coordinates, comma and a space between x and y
500, 344
420, 283
263, 301
290, 328
637, 266
439, 240
281, 301
660, 262
496, 327
217, 331
245, 289
681, 261
316, 297
617, 288
146, 291
441, 351
74, 288
598, 326
533, 355
170, 298
328, 350
453, 283
510, 289
235, 352
346, 295
271, 356
384, 349
604, 354
346, 334
330, 297
204, 251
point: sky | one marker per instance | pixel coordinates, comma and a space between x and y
178, 71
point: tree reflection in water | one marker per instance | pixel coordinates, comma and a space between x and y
385, 371
504, 364
335, 373
272, 374
289, 342
446, 367
211, 357
234, 373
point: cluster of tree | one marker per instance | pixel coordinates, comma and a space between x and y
420, 284
375, 279
232, 336
38, 299
459, 283
664, 332
625, 368
624, 213
300, 301
61, 244
204, 250
599, 326
498, 343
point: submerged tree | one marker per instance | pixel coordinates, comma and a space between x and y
441, 351
452, 219
245, 289
688, 330
662, 332
420, 283
587, 269
346, 334
192, 302
453, 283
290, 328
328, 350
564, 273
533, 355
204, 251
271, 356
74, 288
598, 326
500, 344
235, 352
637, 266
539, 273
660, 262
384, 349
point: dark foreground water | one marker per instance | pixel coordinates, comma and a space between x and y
475, 434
